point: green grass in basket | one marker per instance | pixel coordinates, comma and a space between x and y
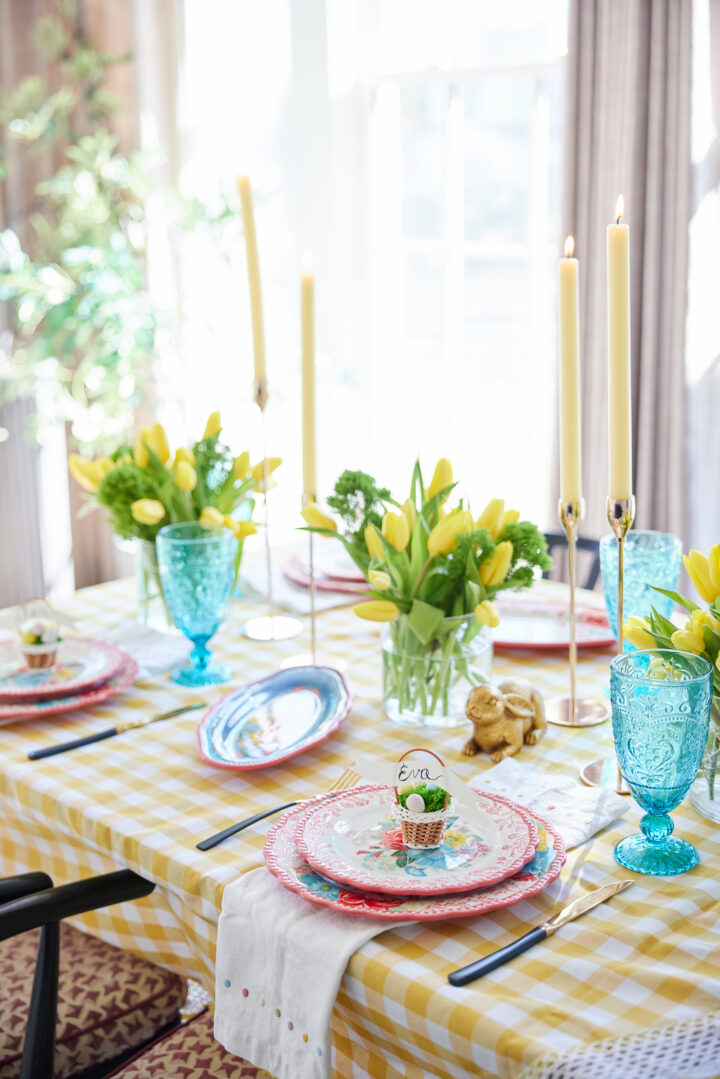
433, 797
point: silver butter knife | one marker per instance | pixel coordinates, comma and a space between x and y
573, 910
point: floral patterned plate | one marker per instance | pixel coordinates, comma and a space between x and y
81, 664
122, 678
287, 864
355, 838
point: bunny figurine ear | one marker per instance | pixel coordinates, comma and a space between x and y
518, 706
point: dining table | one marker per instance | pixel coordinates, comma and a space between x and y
629, 987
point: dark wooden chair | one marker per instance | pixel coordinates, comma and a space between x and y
144, 1041
590, 548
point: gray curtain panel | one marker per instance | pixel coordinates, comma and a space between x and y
628, 95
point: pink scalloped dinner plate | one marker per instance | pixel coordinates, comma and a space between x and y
81, 664
356, 839
286, 863
120, 681
544, 625
298, 573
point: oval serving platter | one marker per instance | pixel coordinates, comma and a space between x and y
273, 719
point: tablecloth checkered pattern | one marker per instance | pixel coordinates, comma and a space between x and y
641, 966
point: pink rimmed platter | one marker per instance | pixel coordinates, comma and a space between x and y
355, 839
297, 573
286, 863
82, 664
119, 682
544, 625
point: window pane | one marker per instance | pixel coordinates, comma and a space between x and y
423, 157
425, 302
498, 133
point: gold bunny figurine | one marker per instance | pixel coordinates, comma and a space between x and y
503, 717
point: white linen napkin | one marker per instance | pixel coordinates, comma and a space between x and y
577, 811
154, 652
280, 961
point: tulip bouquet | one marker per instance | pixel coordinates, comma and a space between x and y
700, 635
144, 487
433, 573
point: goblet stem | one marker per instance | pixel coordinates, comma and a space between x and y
656, 827
200, 654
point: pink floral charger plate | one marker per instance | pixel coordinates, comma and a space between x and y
121, 680
355, 838
286, 863
81, 664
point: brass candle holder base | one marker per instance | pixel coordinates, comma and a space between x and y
272, 628
589, 711
605, 772
573, 711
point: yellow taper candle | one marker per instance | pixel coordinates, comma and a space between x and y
619, 399
307, 320
251, 248
569, 335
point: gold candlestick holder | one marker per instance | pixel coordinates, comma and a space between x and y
605, 772
573, 711
311, 658
269, 627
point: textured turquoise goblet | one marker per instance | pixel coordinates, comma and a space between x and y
197, 569
661, 714
650, 558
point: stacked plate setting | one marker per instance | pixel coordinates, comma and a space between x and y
85, 672
345, 851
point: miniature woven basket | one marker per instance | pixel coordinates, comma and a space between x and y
422, 829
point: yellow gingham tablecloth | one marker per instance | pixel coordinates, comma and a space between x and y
645, 966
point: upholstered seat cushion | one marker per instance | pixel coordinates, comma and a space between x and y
189, 1052
108, 1001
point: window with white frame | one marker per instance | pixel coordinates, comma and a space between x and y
415, 149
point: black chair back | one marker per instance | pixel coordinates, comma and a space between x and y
557, 541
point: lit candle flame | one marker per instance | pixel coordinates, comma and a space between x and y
619, 209
569, 247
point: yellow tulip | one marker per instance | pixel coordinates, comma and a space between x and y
213, 425
486, 612
185, 476
240, 529
409, 512
442, 477
698, 569
84, 472
492, 517
396, 530
258, 470
157, 441
147, 511
377, 610
183, 454
704, 618
140, 450
509, 517
380, 580
636, 632
686, 640
493, 570
209, 515
373, 542
714, 560
241, 465
444, 536
314, 516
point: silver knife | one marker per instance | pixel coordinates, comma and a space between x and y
567, 914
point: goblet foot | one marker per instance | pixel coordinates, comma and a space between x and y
210, 675
657, 859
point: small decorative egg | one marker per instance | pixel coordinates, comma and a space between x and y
406, 787
415, 803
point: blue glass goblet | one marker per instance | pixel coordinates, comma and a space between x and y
661, 715
197, 569
650, 558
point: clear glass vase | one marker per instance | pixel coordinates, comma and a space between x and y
152, 608
705, 791
426, 685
